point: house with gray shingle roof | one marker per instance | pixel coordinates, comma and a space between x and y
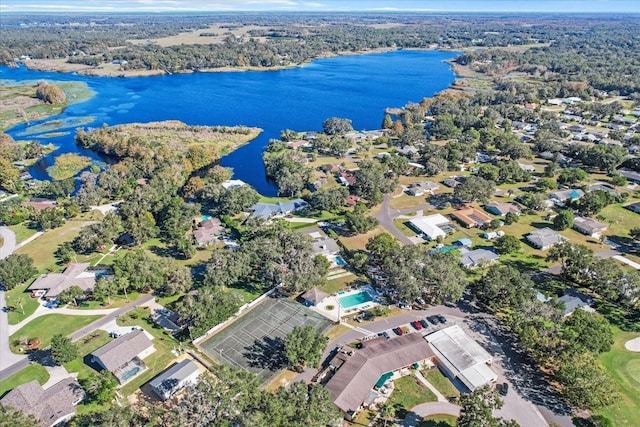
478, 257
51, 406
174, 379
544, 238
266, 210
123, 356
75, 274
588, 226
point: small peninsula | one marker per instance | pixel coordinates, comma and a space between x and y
25, 101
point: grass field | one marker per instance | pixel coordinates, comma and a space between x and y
439, 421
624, 366
442, 383
16, 296
407, 394
359, 241
30, 373
45, 327
43, 248
23, 231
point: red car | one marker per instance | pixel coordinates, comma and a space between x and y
416, 325
398, 331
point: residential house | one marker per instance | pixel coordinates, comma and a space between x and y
544, 238
604, 187
560, 197
502, 209
75, 274
463, 242
266, 210
123, 356
347, 178
53, 406
208, 231
432, 226
573, 300
527, 168
461, 358
313, 296
233, 183
409, 151
174, 379
353, 200
451, 182
422, 187
588, 226
325, 246
631, 175
471, 217
331, 168
478, 257
634, 207
298, 143
356, 371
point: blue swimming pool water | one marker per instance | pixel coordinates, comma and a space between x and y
355, 299
130, 373
205, 217
339, 260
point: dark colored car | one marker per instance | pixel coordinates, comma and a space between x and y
433, 319
424, 323
416, 325
398, 331
384, 334
441, 318
503, 388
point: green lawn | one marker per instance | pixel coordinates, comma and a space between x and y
407, 394
47, 326
117, 301
624, 366
43, 248
87, 345
30, 373
439, 421
23, 231
163, 343
442, 383
16, 296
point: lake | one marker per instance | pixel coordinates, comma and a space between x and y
357, 87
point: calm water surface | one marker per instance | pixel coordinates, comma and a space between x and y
356, 87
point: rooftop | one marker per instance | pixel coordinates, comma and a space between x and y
471, 217
358, 373
122, 350
167, 383
545, 237
75, 274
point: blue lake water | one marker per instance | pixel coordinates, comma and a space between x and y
357, 87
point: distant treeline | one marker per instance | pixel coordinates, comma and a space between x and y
600, 50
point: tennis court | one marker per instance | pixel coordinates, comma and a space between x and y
254, 341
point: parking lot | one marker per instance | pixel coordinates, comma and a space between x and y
254, 341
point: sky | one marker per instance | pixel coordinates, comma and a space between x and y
588, 6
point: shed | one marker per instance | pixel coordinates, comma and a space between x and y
175, 379
313, 296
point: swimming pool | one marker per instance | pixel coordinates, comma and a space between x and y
355, 299
339, 260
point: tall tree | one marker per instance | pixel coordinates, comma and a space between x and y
16, 269
62, 349
304, 346
477, 410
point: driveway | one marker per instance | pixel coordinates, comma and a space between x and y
417, 413
8, 242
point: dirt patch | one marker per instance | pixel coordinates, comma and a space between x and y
633, 345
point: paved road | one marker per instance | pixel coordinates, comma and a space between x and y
15, 367
7, 357
386, 217
9, 242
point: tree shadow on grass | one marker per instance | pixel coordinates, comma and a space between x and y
267, 353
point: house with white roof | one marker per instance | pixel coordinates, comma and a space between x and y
432, 226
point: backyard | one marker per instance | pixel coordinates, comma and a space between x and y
408, 393
437, 379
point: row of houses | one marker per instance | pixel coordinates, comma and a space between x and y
123, 357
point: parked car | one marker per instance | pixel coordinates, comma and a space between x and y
384, 334
503, 388
441, 318
404, 306
399, 331
433, 319
416, 325
420, 301
424, 323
